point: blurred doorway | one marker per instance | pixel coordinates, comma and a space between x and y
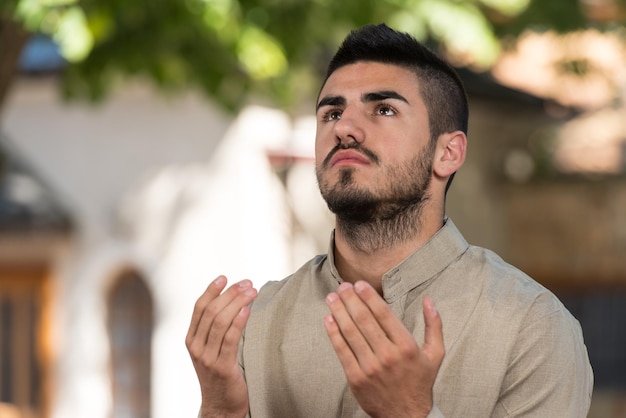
24, 335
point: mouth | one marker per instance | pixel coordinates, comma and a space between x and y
348, 157
353, 155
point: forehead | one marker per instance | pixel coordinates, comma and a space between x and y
366, 75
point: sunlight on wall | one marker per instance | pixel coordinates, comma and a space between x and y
227, 216
594, 143
585, 69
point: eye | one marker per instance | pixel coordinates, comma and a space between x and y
331, 115
384, 109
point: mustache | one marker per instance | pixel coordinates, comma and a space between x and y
352, 145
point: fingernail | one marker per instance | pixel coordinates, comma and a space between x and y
331, 297
344, 286
360, 286
244, 284
431, 306
220, 281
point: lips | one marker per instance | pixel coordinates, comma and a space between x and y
348, 157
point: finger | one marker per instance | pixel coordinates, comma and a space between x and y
211, 292
338, 304
433, 333
210, 304
230, 346
391, 326
344, 353
223, 321
364, 318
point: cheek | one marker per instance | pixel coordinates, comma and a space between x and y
322, 147
318, 155
409, 149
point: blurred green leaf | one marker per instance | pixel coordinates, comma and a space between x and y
270, 49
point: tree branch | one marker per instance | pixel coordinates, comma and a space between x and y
13, 37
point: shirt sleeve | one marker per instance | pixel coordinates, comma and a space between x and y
549, 372
435, 413
247, 415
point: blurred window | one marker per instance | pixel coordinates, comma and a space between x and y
602, 315
130, 329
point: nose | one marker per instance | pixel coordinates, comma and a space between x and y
348, 129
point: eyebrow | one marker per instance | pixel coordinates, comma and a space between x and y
375, 96
378, 96
331, 101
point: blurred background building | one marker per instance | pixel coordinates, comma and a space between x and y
115, 215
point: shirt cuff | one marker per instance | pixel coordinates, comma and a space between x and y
435, 413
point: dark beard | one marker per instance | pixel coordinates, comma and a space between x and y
371, 221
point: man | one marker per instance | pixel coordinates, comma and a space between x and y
355, 332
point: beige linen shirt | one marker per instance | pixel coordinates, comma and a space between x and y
512, 348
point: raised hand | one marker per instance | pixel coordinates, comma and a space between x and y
213, 338
388, 373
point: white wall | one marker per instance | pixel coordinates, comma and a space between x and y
171, 187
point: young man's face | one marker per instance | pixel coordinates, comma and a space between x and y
372, 141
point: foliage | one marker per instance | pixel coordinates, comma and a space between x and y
273, 49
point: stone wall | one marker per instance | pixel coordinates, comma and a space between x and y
567, 234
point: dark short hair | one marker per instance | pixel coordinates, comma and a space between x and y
440, 86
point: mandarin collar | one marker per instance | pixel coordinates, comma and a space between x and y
445, 246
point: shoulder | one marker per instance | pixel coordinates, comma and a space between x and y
539, 342
533, 315
482, 286
506, 285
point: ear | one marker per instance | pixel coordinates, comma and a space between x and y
449, 154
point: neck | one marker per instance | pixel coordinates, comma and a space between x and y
367, 250
379, 234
